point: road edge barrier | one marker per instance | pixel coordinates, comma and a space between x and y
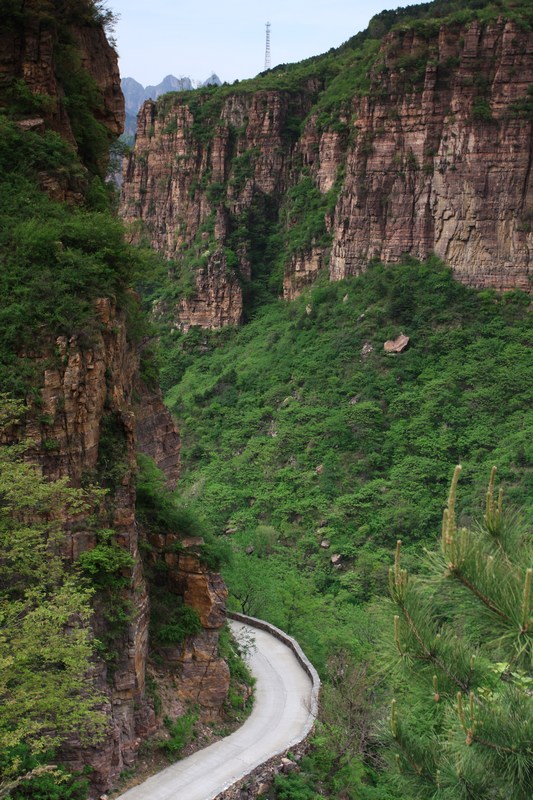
290, 642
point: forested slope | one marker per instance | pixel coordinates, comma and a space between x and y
309, 448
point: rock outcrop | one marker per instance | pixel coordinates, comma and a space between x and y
32, 47
156, 432
201, 678
85, 409
85, 425
90, 409
433, 155
188, 192
444, 167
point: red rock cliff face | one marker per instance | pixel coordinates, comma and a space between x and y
87, 388
91, 411
177, 178
446, 168
28, 53
88, 396
435, 157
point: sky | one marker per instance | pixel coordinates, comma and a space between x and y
156, 38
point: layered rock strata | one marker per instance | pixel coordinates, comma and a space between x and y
86, 391
200, 677
90, 410
156, 431
89, 398
446, 168
434, 156
29, 57
187, 195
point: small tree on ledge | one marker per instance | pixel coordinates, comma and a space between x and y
460, 644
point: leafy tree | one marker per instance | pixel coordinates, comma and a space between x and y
45, 639
345, 726
461, 724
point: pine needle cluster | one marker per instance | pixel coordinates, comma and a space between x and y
461, 642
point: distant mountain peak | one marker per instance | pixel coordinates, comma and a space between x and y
135, 94
213, 80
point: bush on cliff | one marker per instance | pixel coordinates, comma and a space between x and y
45, 612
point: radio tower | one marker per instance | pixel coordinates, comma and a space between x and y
267, 48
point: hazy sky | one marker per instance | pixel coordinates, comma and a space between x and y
160, 37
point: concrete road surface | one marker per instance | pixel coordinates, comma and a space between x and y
280, 718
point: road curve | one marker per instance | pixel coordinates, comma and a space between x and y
281, 717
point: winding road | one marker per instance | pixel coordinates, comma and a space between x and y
283, 714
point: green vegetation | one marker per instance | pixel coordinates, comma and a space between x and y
45, 610
44, 784
303, 439
461, 650
160, 512
171, 622
290, 423
307, 210
241, 680
56, 259
180, 732
454, 645
107, 567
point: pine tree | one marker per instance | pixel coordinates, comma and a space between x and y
461, 723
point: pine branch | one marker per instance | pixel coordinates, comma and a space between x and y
456, 572
398, 583
501, 747
430, 655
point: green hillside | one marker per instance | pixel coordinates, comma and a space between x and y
298, 428
301, 422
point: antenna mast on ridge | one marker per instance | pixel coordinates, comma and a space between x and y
267, 49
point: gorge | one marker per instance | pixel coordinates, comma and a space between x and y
419, 143
210, 372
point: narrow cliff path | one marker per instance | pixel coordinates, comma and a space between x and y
283, 714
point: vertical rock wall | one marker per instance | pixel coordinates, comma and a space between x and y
434, 156
90, 409
444, 168
84, 391
28, 54
187, 189
83, 387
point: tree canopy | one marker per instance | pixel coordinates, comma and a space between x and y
46, 642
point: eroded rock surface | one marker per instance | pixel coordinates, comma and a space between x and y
435, 156
444, 168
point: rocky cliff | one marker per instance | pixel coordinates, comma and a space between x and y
51, 51
90, 407
445, 168
87, 421
417, 142
83, 426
